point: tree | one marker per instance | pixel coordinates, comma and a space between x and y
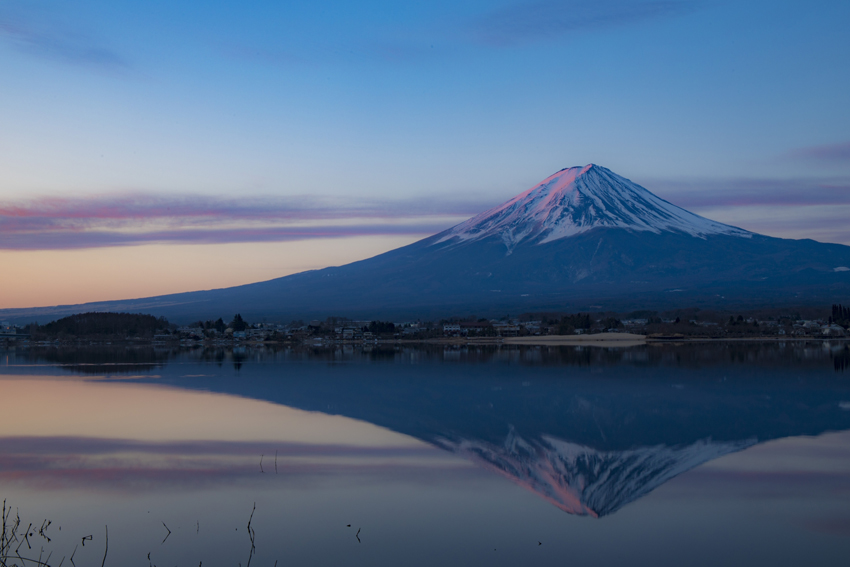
569, 323
380, 327
105, 325
238, 323
841, 315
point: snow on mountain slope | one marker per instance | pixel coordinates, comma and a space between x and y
584, 481
578, 199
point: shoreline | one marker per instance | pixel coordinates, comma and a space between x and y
598, 339
606, 340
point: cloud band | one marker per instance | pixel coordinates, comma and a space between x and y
59, 224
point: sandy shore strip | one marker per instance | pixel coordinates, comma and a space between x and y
599, 339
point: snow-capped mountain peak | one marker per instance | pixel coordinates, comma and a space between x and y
578, 199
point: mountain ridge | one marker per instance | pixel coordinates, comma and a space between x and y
583, 237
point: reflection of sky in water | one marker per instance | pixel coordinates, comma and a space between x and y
123, 436
93, 452
156, 413
88, 452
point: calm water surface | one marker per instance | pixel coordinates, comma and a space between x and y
734, 454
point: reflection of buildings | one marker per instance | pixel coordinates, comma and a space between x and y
584, 481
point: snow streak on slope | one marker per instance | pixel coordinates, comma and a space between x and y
584, 481
578, 199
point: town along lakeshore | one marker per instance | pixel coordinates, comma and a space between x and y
530, 328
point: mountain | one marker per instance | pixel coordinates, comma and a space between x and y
583, 237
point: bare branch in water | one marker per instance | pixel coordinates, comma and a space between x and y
105, 549
251, 535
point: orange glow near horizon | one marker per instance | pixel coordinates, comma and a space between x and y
62, 277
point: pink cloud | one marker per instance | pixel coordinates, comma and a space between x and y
50, 223
143, 206
829, 152
748, 192
62, 223
69, 240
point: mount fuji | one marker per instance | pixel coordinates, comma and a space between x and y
576, 200
583, 238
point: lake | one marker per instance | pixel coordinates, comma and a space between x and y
691, 454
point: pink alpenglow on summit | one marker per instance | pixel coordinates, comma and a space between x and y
578, 199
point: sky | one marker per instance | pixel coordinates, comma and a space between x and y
158, 147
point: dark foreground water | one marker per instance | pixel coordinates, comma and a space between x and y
732, 454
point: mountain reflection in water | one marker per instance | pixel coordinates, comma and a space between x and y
588, 429
584, 481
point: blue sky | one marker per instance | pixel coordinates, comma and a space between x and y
391, 120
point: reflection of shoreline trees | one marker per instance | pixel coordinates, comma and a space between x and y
99, 359
683, 355
686, 355
841, 359
132, 359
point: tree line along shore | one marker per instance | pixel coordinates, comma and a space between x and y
681, 324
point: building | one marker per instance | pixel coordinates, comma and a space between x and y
834, 330
474, 327
506, 329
